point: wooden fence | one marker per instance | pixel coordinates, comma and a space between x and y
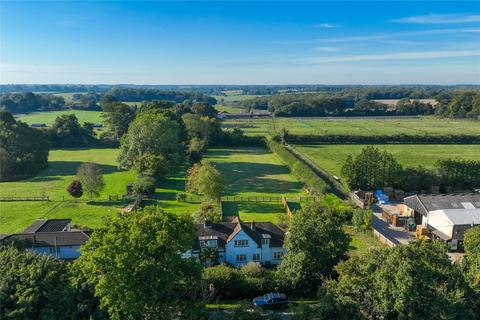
42, 198
287, 208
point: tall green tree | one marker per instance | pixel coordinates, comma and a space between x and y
34, 287
414, 281
23, 150
134, 263
91, 178
153, 133
315, 243
204, 179
371, 169
66, 131
117, 117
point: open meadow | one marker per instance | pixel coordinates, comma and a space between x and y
53, 181
358, 126
48, 117
332, 157
254, 172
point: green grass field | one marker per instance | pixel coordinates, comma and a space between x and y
67, 95
250, 172
235, 97
332, 157
228, 108
362, 242
358, 126
48, 117
53, 181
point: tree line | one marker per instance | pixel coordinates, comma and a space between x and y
30, 102
372, 169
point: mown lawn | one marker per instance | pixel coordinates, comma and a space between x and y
254, 172
53, 181
358, 126
48, 117
332, 157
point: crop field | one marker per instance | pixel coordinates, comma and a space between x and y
53, 181
250, 172
332, 157
228, 108
358, 126
48, 117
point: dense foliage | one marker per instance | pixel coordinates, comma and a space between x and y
152, 132
472, 256
147, 94
464, 104
34, 286
414, 281
203, 179
23, 150
373, 169
229, 282
29, 102
345, 103
134, 264
116, 118
66, 131
315, 243
75, 189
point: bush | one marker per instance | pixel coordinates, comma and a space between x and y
225, 280
75, 189
207, 211
362, 219
181, 197
144, 186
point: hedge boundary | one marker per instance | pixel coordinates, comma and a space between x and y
389, 139
304, 172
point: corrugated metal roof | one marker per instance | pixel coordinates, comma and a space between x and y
458, 216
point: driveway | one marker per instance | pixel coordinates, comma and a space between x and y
393, 235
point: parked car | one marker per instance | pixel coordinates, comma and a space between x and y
272, 300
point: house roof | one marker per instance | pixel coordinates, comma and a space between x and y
49, 239
48, 225
226, 231
425, 203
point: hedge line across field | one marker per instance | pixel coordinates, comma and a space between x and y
400, 138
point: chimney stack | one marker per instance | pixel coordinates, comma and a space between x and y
252, 225
207, 224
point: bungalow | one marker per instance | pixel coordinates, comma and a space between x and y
52, 237
238, 243
446, 216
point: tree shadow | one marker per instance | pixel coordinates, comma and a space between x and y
69, 168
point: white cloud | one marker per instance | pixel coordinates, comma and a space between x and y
327, 49
396, 56
433, 18
383, 36
325, 25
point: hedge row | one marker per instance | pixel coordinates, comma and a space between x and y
333, 185
299, 168
400, 138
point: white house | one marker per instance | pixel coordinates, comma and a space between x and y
238, 243
50, 237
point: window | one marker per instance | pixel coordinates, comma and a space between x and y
278, 255
241, 257
265, 242
241, 243
208, 243
256, 257
203, 243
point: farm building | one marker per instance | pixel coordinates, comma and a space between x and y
239, 243
50, 237
446, 216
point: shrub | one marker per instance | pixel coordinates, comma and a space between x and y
181, 197
224, 279
362, 219
75, 189
207, 211
144, 186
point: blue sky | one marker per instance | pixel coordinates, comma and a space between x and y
428, 42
